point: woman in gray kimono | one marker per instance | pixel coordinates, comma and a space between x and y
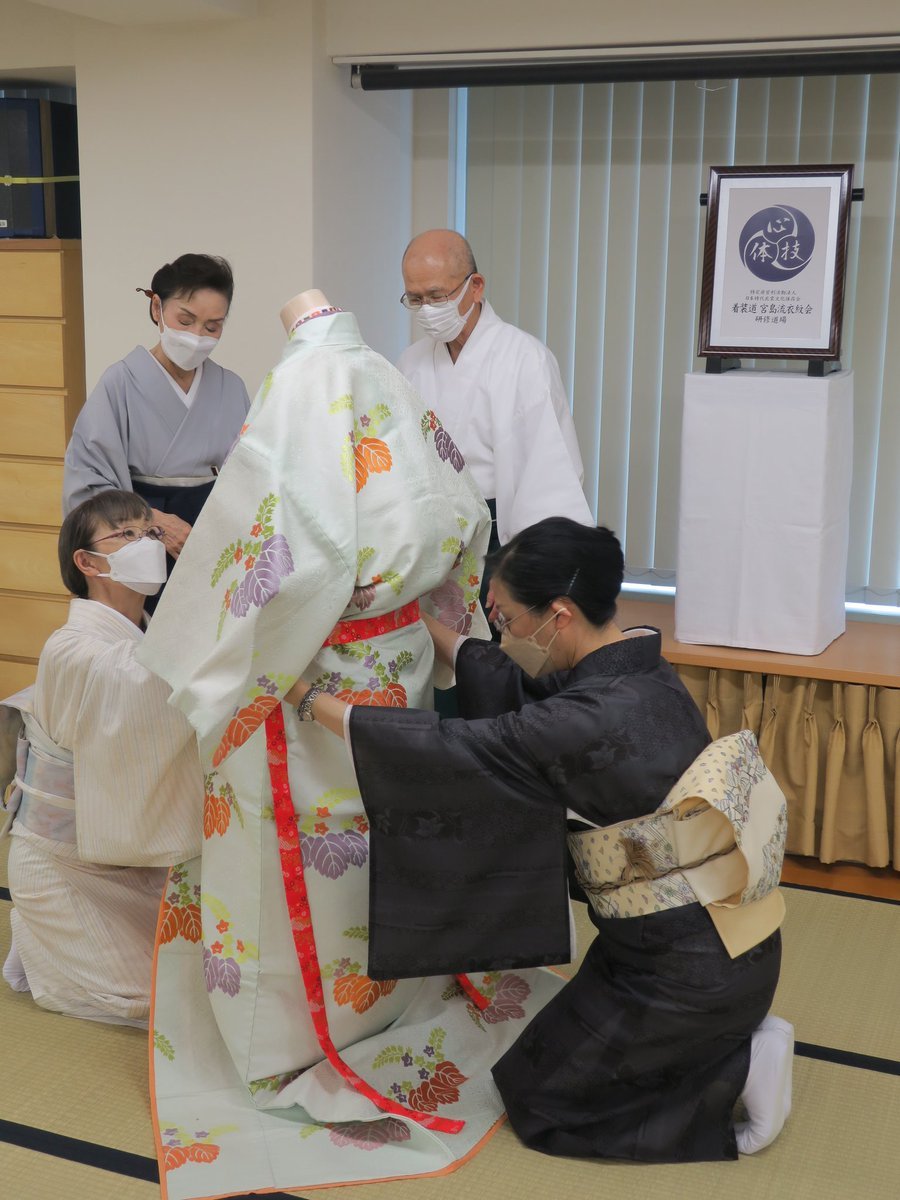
573, 724
160, 422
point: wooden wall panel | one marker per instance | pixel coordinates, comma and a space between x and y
26, 623
31, 284
30, 492
41, 392
33, 554
33, 423
14, 676
31, 353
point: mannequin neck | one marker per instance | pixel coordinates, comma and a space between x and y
301, 305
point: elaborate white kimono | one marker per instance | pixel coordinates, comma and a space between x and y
279, 1062
504, 404
107, 793
134, 426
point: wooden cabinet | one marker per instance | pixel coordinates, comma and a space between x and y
41, 393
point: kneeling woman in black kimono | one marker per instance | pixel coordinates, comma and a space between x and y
568, 724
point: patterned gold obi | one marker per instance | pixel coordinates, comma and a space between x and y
717, 838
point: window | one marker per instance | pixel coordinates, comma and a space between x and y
582, 205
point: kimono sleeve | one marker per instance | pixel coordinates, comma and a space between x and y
96, 456
254, 594
489, 683
468, 847
138, 780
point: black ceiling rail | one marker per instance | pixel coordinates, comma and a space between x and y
621, 70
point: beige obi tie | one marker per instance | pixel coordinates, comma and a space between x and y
717, 838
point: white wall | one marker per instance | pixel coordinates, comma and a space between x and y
209, 137
399, 26
362, 194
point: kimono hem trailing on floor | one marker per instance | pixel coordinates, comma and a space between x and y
343, 505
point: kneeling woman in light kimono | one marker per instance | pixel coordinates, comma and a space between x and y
107, 789
572, 725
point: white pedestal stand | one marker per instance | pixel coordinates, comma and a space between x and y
764, 515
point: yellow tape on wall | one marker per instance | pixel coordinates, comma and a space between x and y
9, 180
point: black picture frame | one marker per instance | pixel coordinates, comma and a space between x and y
775, 261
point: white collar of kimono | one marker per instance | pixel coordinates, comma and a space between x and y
486, 319
186, 398
91, 613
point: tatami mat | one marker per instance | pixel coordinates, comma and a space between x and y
840, 983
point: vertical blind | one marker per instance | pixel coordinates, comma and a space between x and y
582, 206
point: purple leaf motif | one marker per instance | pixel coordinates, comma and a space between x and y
506, 1006
230, 977
357, 847
211, 969
273, 563
369, 1135
451, 606
363, 597
328, 854
447, 449
240, 599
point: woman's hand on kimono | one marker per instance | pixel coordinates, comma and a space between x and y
490, 605
175, 531
445, 640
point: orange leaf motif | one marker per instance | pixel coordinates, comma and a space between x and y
349, 696
422, 1098
393, 695
361, 992
372, 457
191, 927
202, 1152
174, 1156
170, 926
216, 815
243, 724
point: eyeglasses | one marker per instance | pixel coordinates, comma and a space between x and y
131, 533
501, 622
411, 301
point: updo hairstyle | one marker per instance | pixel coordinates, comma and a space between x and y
559, 557
191, 273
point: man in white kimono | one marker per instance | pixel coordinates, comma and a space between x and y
495, 388
106, 789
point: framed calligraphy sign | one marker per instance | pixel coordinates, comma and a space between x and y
774, 262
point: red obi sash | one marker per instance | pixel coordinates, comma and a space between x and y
366, 628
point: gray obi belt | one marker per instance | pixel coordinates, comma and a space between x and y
717, 838
37, 777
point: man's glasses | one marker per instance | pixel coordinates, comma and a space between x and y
131, 533
411, 301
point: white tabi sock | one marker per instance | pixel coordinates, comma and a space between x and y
14, 971
767, 1092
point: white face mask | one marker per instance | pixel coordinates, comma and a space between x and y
140, 566
185, 350
528, 653
444, 322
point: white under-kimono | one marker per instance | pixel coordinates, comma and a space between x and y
279, 1061
107, 793
136, 426
504, 404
